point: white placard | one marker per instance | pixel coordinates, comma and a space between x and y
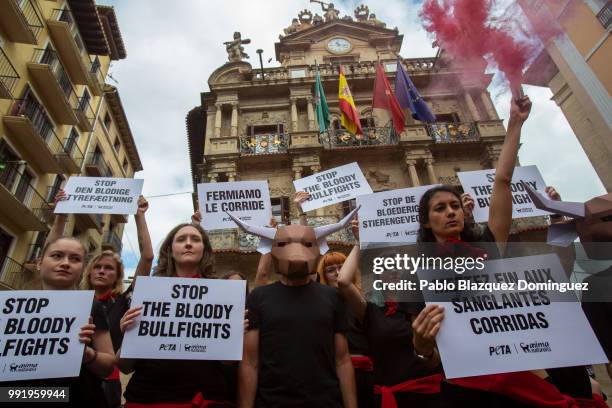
247, 200
513, 330
333, 186
47, 321
390, 216
479, 184
100, 195
187, 319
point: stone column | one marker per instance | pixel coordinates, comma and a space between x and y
212, 177
218, 114
486, 101
311, 114
430, 170
414, 177
234, 129
294, 115
231, 176
297, 173
471, 106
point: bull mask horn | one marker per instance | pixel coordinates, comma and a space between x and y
325, 230
567, 208
265, 233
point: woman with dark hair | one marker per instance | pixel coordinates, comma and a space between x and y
444, 232
60, 267
186, 252
402, 335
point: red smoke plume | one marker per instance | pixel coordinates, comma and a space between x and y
469, 32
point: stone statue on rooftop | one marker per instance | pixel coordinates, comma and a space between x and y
293, 28
234, 48
330, 12
362, 13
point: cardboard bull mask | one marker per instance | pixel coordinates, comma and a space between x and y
592, 222
295, 248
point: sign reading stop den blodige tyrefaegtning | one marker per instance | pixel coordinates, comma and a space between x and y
515, 329
39, 333
333, 186
390, 216
247, 200
100, 195
187, 319
479, 184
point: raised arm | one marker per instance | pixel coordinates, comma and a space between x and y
59, 220
247, 371
345, 372
349, 292
144, 240
299, 198
264, 268
500, 212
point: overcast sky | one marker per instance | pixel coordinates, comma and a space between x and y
173, 47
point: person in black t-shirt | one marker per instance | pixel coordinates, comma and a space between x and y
295, 351
186, 252
105, 275
60, 266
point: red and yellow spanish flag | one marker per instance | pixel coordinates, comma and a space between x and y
349, 117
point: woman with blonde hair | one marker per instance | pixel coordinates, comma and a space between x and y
105, 275
60, 266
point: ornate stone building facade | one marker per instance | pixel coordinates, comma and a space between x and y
255, 124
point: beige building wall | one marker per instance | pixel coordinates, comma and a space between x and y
576, 67
254, 128
52, 102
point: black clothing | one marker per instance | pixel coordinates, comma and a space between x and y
156, 381
115, 308
297, 327
600, 313
85, 390
355, 336
572, 381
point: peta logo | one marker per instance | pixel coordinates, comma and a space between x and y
167, 347
524, 210
20, 368
501, 350
536, 347
195, 348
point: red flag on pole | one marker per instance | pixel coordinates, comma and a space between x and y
384, 102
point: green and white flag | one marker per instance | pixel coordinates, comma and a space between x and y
322, 108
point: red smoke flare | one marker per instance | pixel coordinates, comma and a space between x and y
464, 28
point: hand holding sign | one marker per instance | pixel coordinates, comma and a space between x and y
426, 327
129, 318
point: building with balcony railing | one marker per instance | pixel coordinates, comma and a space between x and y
575, 65
58, 118
260, 124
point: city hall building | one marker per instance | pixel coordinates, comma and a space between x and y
256, 124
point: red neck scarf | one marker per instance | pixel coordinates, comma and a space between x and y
454, 247
391, 306
106, 296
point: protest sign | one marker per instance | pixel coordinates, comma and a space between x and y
100, 195
333, 186
390, 216
187, 319
480, 186
247, 200
39, 333
498, 319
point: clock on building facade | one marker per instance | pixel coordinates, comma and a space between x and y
339, 45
